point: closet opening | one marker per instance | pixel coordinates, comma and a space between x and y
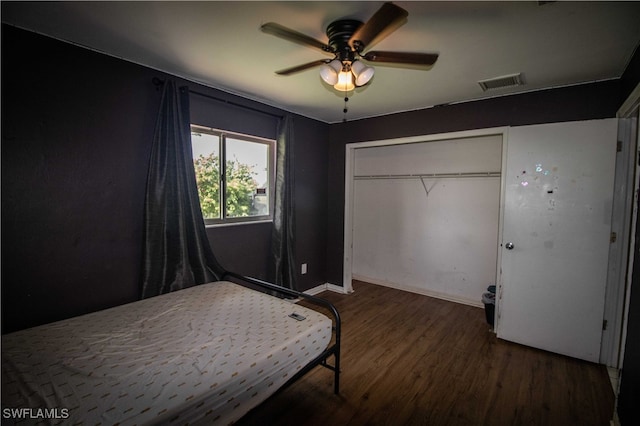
422, 214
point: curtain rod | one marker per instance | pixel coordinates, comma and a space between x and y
235, 104
429, 175
159, 82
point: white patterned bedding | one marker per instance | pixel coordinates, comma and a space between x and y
205, 354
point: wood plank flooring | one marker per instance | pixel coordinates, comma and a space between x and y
409, 359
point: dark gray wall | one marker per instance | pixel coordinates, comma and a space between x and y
76, 134
77, 128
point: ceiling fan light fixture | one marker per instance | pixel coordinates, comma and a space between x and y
348, 40
345, 82
362, 72
329, 72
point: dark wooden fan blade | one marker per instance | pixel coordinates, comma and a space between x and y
402, 58
293, 36
293, 70
386, 20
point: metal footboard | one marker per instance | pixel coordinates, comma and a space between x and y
332, 349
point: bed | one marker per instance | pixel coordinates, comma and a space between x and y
206, 354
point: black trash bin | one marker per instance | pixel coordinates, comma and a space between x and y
489, 300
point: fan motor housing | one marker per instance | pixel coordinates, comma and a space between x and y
339, 33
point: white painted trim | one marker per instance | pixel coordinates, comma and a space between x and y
623, 195
348, 218
634, 224
614, 377
503, 186
326, 287
338, 289
632, 103
348, 183
429, 138
629, 109
316, 290
422, 291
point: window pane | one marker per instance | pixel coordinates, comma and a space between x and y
247, 178
206, 161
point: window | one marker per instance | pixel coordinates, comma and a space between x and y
234, 174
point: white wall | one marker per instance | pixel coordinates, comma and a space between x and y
436, 235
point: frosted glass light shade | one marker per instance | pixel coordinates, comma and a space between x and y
362, 72
329, 72
345, 82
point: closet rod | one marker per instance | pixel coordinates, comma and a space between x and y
429, 175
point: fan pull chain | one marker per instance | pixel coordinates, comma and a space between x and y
346, 99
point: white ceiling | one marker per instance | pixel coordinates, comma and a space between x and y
219, 44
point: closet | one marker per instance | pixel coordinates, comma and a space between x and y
528, 208
426, 216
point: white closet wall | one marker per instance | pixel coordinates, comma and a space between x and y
425, 216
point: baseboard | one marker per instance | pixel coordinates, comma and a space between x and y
424, 292
615, 421
336, 288
325, 287
316, 290
614, 377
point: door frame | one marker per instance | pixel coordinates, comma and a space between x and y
350, 150
618, 305
623, 223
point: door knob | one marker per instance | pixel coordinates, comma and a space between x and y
509, 246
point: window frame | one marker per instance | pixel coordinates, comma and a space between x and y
223, 135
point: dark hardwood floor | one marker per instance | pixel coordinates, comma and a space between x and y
414, 360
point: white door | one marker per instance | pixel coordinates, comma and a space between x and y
556, 233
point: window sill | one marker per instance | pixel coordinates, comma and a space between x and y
248, 222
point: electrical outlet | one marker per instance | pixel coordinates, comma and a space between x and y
304, 268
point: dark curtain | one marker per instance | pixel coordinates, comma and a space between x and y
282, 238
176, 252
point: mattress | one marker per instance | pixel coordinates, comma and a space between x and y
206, 354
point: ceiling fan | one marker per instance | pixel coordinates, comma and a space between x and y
348, 41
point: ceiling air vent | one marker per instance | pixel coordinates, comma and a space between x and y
500, 82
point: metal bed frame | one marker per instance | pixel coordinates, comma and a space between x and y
331, 350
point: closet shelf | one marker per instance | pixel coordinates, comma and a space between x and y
430, 175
